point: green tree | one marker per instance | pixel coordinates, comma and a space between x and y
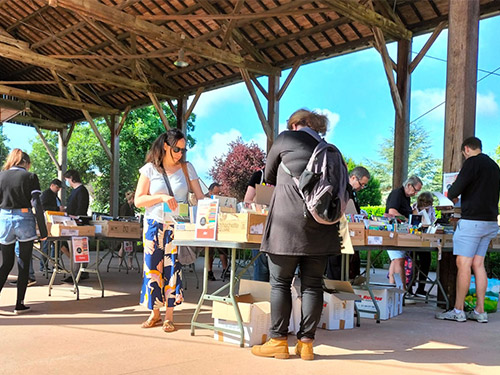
420, 161
4, 150
86, 155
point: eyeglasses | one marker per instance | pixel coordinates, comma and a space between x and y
179, 149
360, 183
416, 190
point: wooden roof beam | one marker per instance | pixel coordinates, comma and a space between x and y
27, 18
109, 15
33, 58
370, 18
427, 45
55, 100
42, 123
5, 37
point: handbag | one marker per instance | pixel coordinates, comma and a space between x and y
192, 200
185, 254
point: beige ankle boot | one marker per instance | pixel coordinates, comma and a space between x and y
273, 348
305, 350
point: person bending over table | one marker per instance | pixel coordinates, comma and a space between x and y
163, 179
293, 239
398, 204
19, 192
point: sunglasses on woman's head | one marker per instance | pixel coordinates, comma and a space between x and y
179, 149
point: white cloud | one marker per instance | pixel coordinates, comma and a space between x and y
486, 105
424, 101
333, 119
203, 153
214, 101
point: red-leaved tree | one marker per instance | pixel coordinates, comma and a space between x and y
234, 169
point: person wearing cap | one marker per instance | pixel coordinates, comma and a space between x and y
50, 202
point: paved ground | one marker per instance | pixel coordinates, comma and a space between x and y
103, 336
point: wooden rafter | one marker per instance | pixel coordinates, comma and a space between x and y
288, 79
368, 17
36, 59
396, 97
107, 14
47, 147
427, 45
122, 120
15, 25
232, 24
45, 124
193, 103
55, 100
5, 37
256, 102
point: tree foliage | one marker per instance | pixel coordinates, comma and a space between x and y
86, 155
234, 169
4, 150
420, 161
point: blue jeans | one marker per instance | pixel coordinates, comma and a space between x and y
260, 267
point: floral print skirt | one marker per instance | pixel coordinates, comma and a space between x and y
162, 275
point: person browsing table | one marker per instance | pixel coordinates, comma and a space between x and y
163, 179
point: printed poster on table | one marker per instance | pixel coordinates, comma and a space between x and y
128, 246
206, 219
80, 249
448, 180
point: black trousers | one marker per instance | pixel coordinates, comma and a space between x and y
282, 269
9, 258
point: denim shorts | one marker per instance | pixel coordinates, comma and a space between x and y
396, 254
17, 225
472, 237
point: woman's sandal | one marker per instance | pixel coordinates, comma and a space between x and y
150, 323
168, 326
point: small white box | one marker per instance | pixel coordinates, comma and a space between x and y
255, 309
338, 307
386, 300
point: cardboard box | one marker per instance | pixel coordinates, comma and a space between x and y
58, 230
386, 300
242, 227
255, 309
338, 308
495, 242
117, 229
184, 231
433, 240
263, 194
357, 233
410, 240
226, 204
381, 238
448, 240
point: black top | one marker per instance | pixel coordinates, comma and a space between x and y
78, 201
257, 178
17, 187
354, 197
398, 200
479, 184
50, 200
126, 210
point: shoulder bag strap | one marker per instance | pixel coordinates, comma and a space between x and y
186, 176
167, 182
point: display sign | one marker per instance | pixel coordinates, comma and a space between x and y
80, 249
206, 219
448, 180
128, 246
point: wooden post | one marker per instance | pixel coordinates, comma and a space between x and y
62, 157
460, 112
114, 180
273, 109
402, 127
181, 114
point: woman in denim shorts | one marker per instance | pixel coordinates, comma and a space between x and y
19, 191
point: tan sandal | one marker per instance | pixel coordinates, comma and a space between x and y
150, 323
168, 326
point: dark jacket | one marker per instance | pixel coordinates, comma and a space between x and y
50, 201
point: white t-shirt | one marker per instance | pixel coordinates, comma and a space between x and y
157, 185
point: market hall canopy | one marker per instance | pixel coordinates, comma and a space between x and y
105, 56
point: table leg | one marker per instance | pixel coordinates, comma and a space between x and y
203, 293
232, 282
75, 279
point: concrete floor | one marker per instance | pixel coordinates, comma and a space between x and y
103, 336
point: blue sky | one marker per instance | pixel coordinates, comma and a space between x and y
353, 91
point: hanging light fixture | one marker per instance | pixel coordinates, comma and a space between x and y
180, 62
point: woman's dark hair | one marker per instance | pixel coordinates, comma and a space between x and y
156, 153
17, 157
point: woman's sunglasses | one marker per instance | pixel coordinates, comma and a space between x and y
179, 149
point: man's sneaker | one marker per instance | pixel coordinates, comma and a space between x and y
481, 317
452, 315
31, 282
21, 309
211, 276
13, 282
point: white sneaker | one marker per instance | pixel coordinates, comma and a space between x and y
480, 318
452, 315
